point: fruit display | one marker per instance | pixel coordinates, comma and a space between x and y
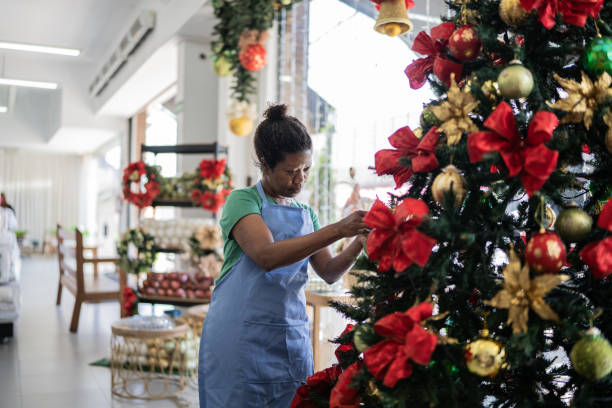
178, 286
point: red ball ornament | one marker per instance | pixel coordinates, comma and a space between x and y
545, 252
253, 57
464, 44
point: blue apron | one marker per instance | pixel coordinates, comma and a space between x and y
256, 349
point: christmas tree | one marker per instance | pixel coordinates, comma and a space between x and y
489, 282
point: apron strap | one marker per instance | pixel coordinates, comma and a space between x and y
264, 200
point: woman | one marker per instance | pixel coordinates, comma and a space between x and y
256, 349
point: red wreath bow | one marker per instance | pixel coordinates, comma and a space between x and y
406, 342
394, 238
343, 395
598, 255
212, 169
409, 3
574, 12
529, 157
345, 347
421, 153
433, 46
320, 382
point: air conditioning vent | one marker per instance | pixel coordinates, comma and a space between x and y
139, 30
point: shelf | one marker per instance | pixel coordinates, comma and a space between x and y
174, 203
175, 301
170, 250
186, 148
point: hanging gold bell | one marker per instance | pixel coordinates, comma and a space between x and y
393, 18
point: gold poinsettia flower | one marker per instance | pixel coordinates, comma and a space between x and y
454, 113
582, 98
520, 293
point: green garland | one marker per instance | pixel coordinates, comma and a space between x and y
234, 17
146, 251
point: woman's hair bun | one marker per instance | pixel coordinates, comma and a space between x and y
276, 112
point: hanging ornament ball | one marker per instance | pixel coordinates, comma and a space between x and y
545, 252
222, 66
515, 81
485, 357
364, 330
253, 57
512, 13
592, 355
464, 44
241, 126
429, 119
285, 2
573, 224
597, 57
449, 181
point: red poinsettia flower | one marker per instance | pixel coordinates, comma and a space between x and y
130, 301
320, 382
345, 347
212, 169
343, 395
394, 238
598, 255
574, 12
529, 157
434, 47
406, 342
209, 200
420, 152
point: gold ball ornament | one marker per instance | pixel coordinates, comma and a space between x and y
515, 81
222, 66
609, 140
360, 332
485, 357
285, 2
450, 180
241, 126
591, 356
573, 224
512, 13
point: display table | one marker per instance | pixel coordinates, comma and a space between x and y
317, 301
195, 318
148, 364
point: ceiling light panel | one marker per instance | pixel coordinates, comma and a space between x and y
39, 48
27, 83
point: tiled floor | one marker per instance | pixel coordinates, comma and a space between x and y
45, 365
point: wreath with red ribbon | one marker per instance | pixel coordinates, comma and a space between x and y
132, 180
212, 184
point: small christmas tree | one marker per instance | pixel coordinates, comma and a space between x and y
471, 293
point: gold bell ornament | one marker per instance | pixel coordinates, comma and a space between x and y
240, 116
393, 17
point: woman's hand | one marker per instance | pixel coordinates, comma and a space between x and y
352, 224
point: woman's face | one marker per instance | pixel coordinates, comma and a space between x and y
290, 175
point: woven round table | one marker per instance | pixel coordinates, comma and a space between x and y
195, 317
148, 364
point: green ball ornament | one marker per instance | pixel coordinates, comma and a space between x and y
515, 81
592, 355
573, 224
597, 57
361, 331
222, 66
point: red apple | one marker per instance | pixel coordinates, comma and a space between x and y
173, 275
165, 284
190, 293
175, 284
189, 285
154, 284
150, 291
180, 292
199, 293
204, 285
183, 277
156, 276
199, 276
161, 292
169, 292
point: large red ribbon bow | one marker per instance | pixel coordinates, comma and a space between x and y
343, 395
420, 152
528, 157
574, 12
433, 46
394, 238
406, 342
598, 255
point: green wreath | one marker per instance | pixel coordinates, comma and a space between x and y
146, 251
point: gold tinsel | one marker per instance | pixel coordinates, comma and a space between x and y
583, 98
521, 293
454, 113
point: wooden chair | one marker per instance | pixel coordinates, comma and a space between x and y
84, 287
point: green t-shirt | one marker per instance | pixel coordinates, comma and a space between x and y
239, 204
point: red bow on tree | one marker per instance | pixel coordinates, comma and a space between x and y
433, 46
320, 382
574, 12
345, 347
598, 255
528, 157
406, 342
212, 169
343, 395
420, 152
394, 238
